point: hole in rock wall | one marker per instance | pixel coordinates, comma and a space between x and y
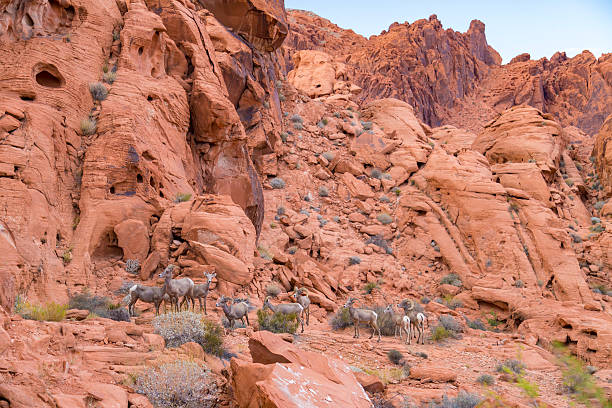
107, 247
112, 190
152, 182
30, 97
27, 20
140, 50
48, 75
139, 178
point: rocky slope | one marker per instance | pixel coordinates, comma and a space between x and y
456, 78
217, 149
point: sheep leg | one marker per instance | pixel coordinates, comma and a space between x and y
247, 319
131, 306
204, 304
300, 320
308, 316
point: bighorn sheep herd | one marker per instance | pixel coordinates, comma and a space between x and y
411, 321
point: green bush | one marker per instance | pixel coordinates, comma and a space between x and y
183, 384
462, 400
395, 356
49, 312
184, 327
514, 366
439, 333
109, 77
341, 319
369, 287
384, 218
88, 126
284, 136
476, 324
277, 322
182, 197
98, 91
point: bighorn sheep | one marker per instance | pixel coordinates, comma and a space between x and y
362, 315
236, 311
175, 288
402, 322
147, 294
201, 292
301, 296
286, 308
417, 319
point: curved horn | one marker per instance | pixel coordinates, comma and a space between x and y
408, 301
304, 291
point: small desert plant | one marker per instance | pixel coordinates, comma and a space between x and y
284, 136
384, 218
369, 287
396, 191
569, 182
99, 305
264, 253
132, 266
273, 290
366, 125
109, 77
425, 300
181, 383
277, 322
384, 199
599, 205
380, 242
476, 324
67, 255
514, 366
376, 173
292, 250
323, 191
451, 279
280, 211
329, 156
298, 126
277, 183
341, 319
451, 302
182, 197
439, 333
493, 322
98, 91
395, 356
180, 328
486, 379
354, 260
449, 323
519, 284
462, 400
88, 126
295, 118
50, 312
212, 343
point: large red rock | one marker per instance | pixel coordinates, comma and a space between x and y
603, 155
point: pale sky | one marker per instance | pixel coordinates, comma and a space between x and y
539, 27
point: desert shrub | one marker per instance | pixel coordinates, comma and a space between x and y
277, 183
295, 118
462, 400
179, 328
486, 379
519, 284
569, 182
280, 211
425, 300
449, 323
336, 219
599, 205
369, 287
379, 241
341, 319
576, 238
292, 250
273, 290
264, 253
366, 125
476, 324
376, 173
493, 321
384, 218
124, 288
514, 366
99, 306
384, 199
212, 343
595, 220
109, 77
88, 126
439, 333
179, 384
277, 322
395, 356
298, 126
451, 302
132, 266
182, 197
67, 255
354, 260
49, 312
396, 191
329, 156
98, 91
323, 191
284, 136
451, 279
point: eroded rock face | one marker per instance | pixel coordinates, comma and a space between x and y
279, 370
603, 155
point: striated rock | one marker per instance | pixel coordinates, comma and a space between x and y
603, 155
